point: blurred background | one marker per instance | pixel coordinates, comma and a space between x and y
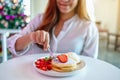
16, 14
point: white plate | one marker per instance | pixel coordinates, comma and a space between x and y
60, 74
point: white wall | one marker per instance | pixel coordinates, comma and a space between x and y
38, 6
106, 11
118, 22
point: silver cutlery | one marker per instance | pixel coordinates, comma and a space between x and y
51, 53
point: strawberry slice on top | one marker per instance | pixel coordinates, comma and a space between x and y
62, 58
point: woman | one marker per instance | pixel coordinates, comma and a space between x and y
64, 27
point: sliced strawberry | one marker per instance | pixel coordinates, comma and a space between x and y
37, 62
44, 68
38, 66
49, 67
44, 64
62, 58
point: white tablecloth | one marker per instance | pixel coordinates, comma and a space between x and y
21, 68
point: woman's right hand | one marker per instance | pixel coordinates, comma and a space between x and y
41, 37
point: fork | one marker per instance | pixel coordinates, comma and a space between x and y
51, 53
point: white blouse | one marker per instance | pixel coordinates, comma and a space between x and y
77, 36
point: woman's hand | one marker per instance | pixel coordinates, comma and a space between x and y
41, 37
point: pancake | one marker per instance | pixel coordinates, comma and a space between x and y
68, 69
79, 66
70, 65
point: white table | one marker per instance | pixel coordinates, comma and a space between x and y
4, 33
21, 68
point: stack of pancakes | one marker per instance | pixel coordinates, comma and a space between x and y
71, 65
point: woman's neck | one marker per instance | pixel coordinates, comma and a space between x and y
66, 16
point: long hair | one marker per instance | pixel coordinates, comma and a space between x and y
51, 16
81, 10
